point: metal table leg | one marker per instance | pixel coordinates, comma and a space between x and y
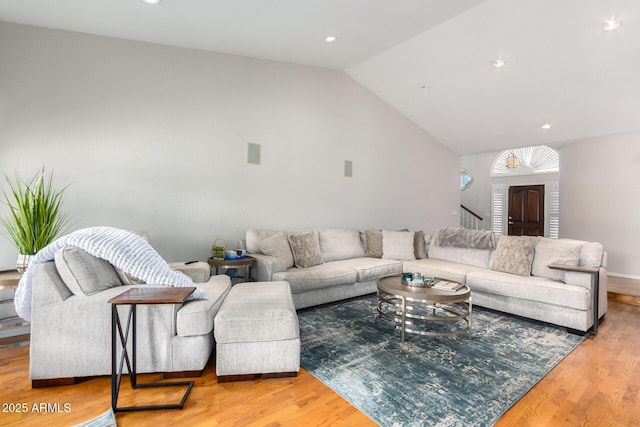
117, 368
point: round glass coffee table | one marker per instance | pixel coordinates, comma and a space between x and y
418, 310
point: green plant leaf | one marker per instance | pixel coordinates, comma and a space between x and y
35, 218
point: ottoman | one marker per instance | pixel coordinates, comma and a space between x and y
256, 332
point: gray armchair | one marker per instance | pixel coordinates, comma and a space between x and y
71, 321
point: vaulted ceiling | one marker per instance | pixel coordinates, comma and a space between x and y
433, 60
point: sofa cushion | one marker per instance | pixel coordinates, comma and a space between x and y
85, 274
253, 237
475, 257
398, 245
277, 245
448, 270
374, 243
368, 268
591, 254
305, 246
554, 251
257, 312
465, 238
337, 244
419, 245
317, 277
195, 317
539, 289
514, 254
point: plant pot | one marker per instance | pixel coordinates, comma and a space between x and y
23, 262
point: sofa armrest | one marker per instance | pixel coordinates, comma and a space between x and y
266, 266
576, 274
584, 276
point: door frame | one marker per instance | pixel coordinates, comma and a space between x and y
499, 206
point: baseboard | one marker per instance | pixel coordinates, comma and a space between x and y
624, 299
14, 341
623, 284
250, 377
624, 276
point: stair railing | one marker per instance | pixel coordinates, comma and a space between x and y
469, 219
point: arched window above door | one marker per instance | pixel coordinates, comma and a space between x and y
526, 161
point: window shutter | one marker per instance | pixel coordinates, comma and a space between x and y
498, 208
553, 215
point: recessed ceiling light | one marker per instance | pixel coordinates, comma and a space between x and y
330, 39
498, 63
151, 1
546, 126
611, 25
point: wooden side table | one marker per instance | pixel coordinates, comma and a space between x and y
244, 263
133, 297
14, 331
9, 279
595, 285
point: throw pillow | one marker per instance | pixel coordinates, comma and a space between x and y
340, 243
398, 245
85, 274
305, 247
277, 245
374, 243
554, 251
514, 254
128, 279
419, 244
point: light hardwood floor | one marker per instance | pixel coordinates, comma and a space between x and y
598, 384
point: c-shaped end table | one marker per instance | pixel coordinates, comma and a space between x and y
595, 286
133, 297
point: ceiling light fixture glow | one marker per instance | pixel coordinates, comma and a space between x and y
546, 126
151, 1
498, 63
330, 39
610, 25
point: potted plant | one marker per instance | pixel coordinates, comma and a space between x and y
217, 250
34, 219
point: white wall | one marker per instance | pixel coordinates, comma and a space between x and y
154, 137
601, 197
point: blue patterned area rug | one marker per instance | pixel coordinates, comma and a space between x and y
461, 380
106, 419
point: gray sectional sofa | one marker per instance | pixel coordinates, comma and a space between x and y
351, 261
342, 271
548, 295
71, 321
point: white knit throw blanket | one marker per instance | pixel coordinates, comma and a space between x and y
123, 249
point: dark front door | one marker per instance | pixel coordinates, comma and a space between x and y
526, 210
